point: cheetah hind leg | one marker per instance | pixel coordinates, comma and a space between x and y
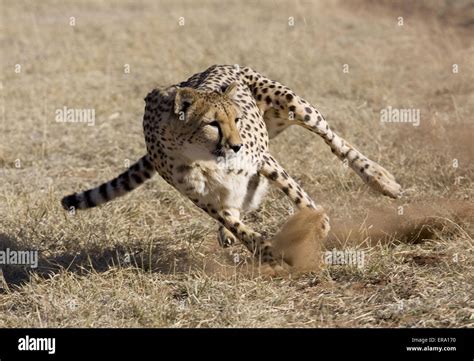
278, 102
379, 179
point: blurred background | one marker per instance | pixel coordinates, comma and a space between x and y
350, 59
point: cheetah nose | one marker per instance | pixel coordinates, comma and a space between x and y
236, 147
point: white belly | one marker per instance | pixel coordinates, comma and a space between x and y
210, 184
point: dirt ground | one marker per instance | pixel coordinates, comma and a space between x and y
151, 259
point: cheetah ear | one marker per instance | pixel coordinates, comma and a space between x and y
231, 90
183, 100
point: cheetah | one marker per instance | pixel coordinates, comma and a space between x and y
208, 137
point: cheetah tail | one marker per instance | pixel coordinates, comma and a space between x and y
124, 183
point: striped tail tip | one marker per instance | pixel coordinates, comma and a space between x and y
71, 200
132, 178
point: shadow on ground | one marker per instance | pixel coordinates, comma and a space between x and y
155, 259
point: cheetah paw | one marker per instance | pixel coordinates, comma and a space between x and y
225, 238
382, 181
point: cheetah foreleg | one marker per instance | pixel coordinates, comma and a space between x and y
279, 177
253, 241
225, 237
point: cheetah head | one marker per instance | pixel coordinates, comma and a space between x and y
206, 123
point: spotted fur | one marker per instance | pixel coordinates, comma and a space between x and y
208, 137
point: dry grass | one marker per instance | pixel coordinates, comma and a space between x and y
178, 276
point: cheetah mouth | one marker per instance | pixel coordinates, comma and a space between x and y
219, 152
223, 154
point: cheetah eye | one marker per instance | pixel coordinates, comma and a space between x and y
237, 120
215, 123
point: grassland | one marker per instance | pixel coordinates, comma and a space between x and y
151, 259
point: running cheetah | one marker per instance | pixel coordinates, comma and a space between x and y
208, 137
